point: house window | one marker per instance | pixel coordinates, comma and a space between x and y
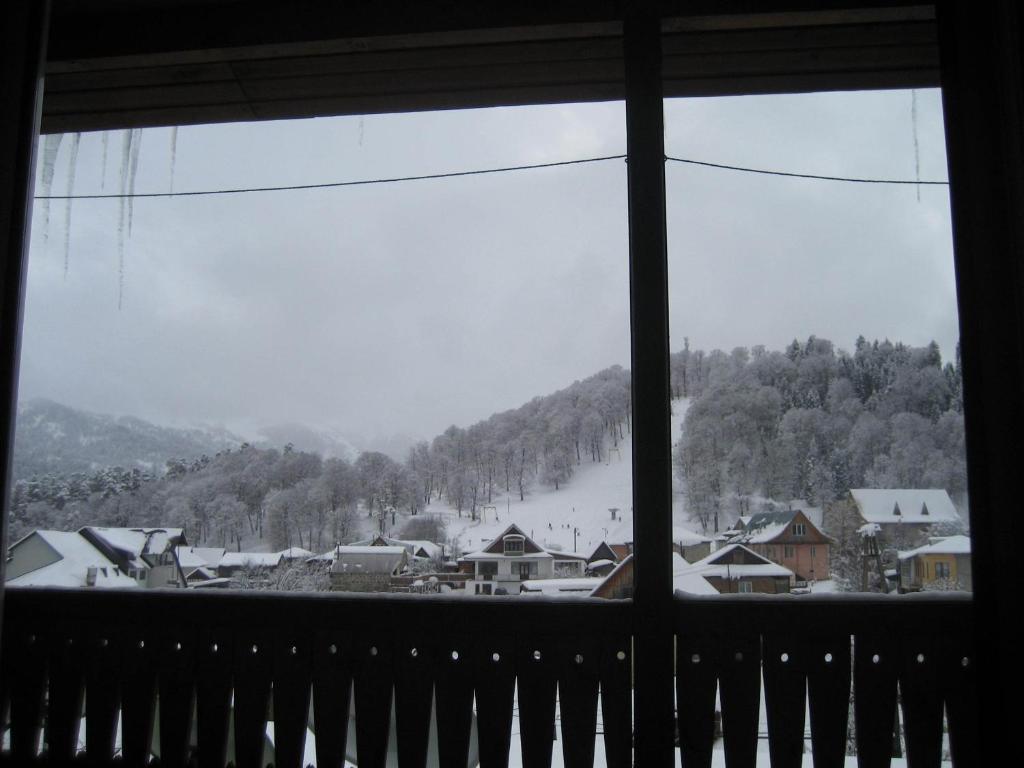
524, 570
487, 568
799, 529
746, 587
514, 544
942, 570
788, 552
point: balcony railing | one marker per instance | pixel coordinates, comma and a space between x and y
233, 661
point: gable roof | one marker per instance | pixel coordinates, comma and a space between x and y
76, 555
371, 559
753, 564
684, 579
250, 560
945, 545
129, 546
915, 505
496, 545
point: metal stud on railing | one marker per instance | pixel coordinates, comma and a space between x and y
579, 658
964, 662
254, 650
920, 658
214, 648
414, 652
695, 659
784, 658
177, 646
373, 650
875, 659
332, 649
536, 655
828, 658
455, 655
739, 655
621, 655
495, 657
104, 642
294, 651
142, 644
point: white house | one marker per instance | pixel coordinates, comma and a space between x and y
507, 561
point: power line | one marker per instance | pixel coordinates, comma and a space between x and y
818, 177
331, 184
483, 171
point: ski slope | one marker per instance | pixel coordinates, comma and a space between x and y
582, 505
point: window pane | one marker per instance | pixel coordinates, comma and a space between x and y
814, 332
381, 377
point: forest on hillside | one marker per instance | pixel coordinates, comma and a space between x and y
809, 422
251, 495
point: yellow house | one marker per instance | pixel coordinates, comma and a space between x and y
943, 561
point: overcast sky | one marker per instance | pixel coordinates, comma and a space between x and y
400, 309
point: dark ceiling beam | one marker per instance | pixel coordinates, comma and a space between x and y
200, 61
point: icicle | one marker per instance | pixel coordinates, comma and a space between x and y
76, 138
103, 177
917, 153
126, 152
132, 171
174, 153
51, 145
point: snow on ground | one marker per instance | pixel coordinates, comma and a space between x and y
549, 516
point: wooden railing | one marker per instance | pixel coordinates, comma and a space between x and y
229, 662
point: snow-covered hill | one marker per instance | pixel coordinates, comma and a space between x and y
577, 515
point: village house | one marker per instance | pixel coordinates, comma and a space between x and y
736, 568
199, 564
904, 516
605, 557
618, 585
63, 559
418, 549
367, 568
690, 545
567, 565
509, 559
145, 554
789, 538
943, 562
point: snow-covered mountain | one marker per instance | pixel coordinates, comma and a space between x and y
55, 438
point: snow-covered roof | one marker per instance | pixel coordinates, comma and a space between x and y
712, 565
815, 514
909, 505
531, 550
602, 563
765, 527
687, 537
250, 560
196, 557
135, 543
561, 586
379, 560
295, 553
685, 579
559, 554
945, 545
77, 556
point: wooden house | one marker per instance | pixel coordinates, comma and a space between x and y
738, 569
789, 538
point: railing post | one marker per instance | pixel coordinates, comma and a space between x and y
23, 30
652, 451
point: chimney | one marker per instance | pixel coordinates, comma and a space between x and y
90, 576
